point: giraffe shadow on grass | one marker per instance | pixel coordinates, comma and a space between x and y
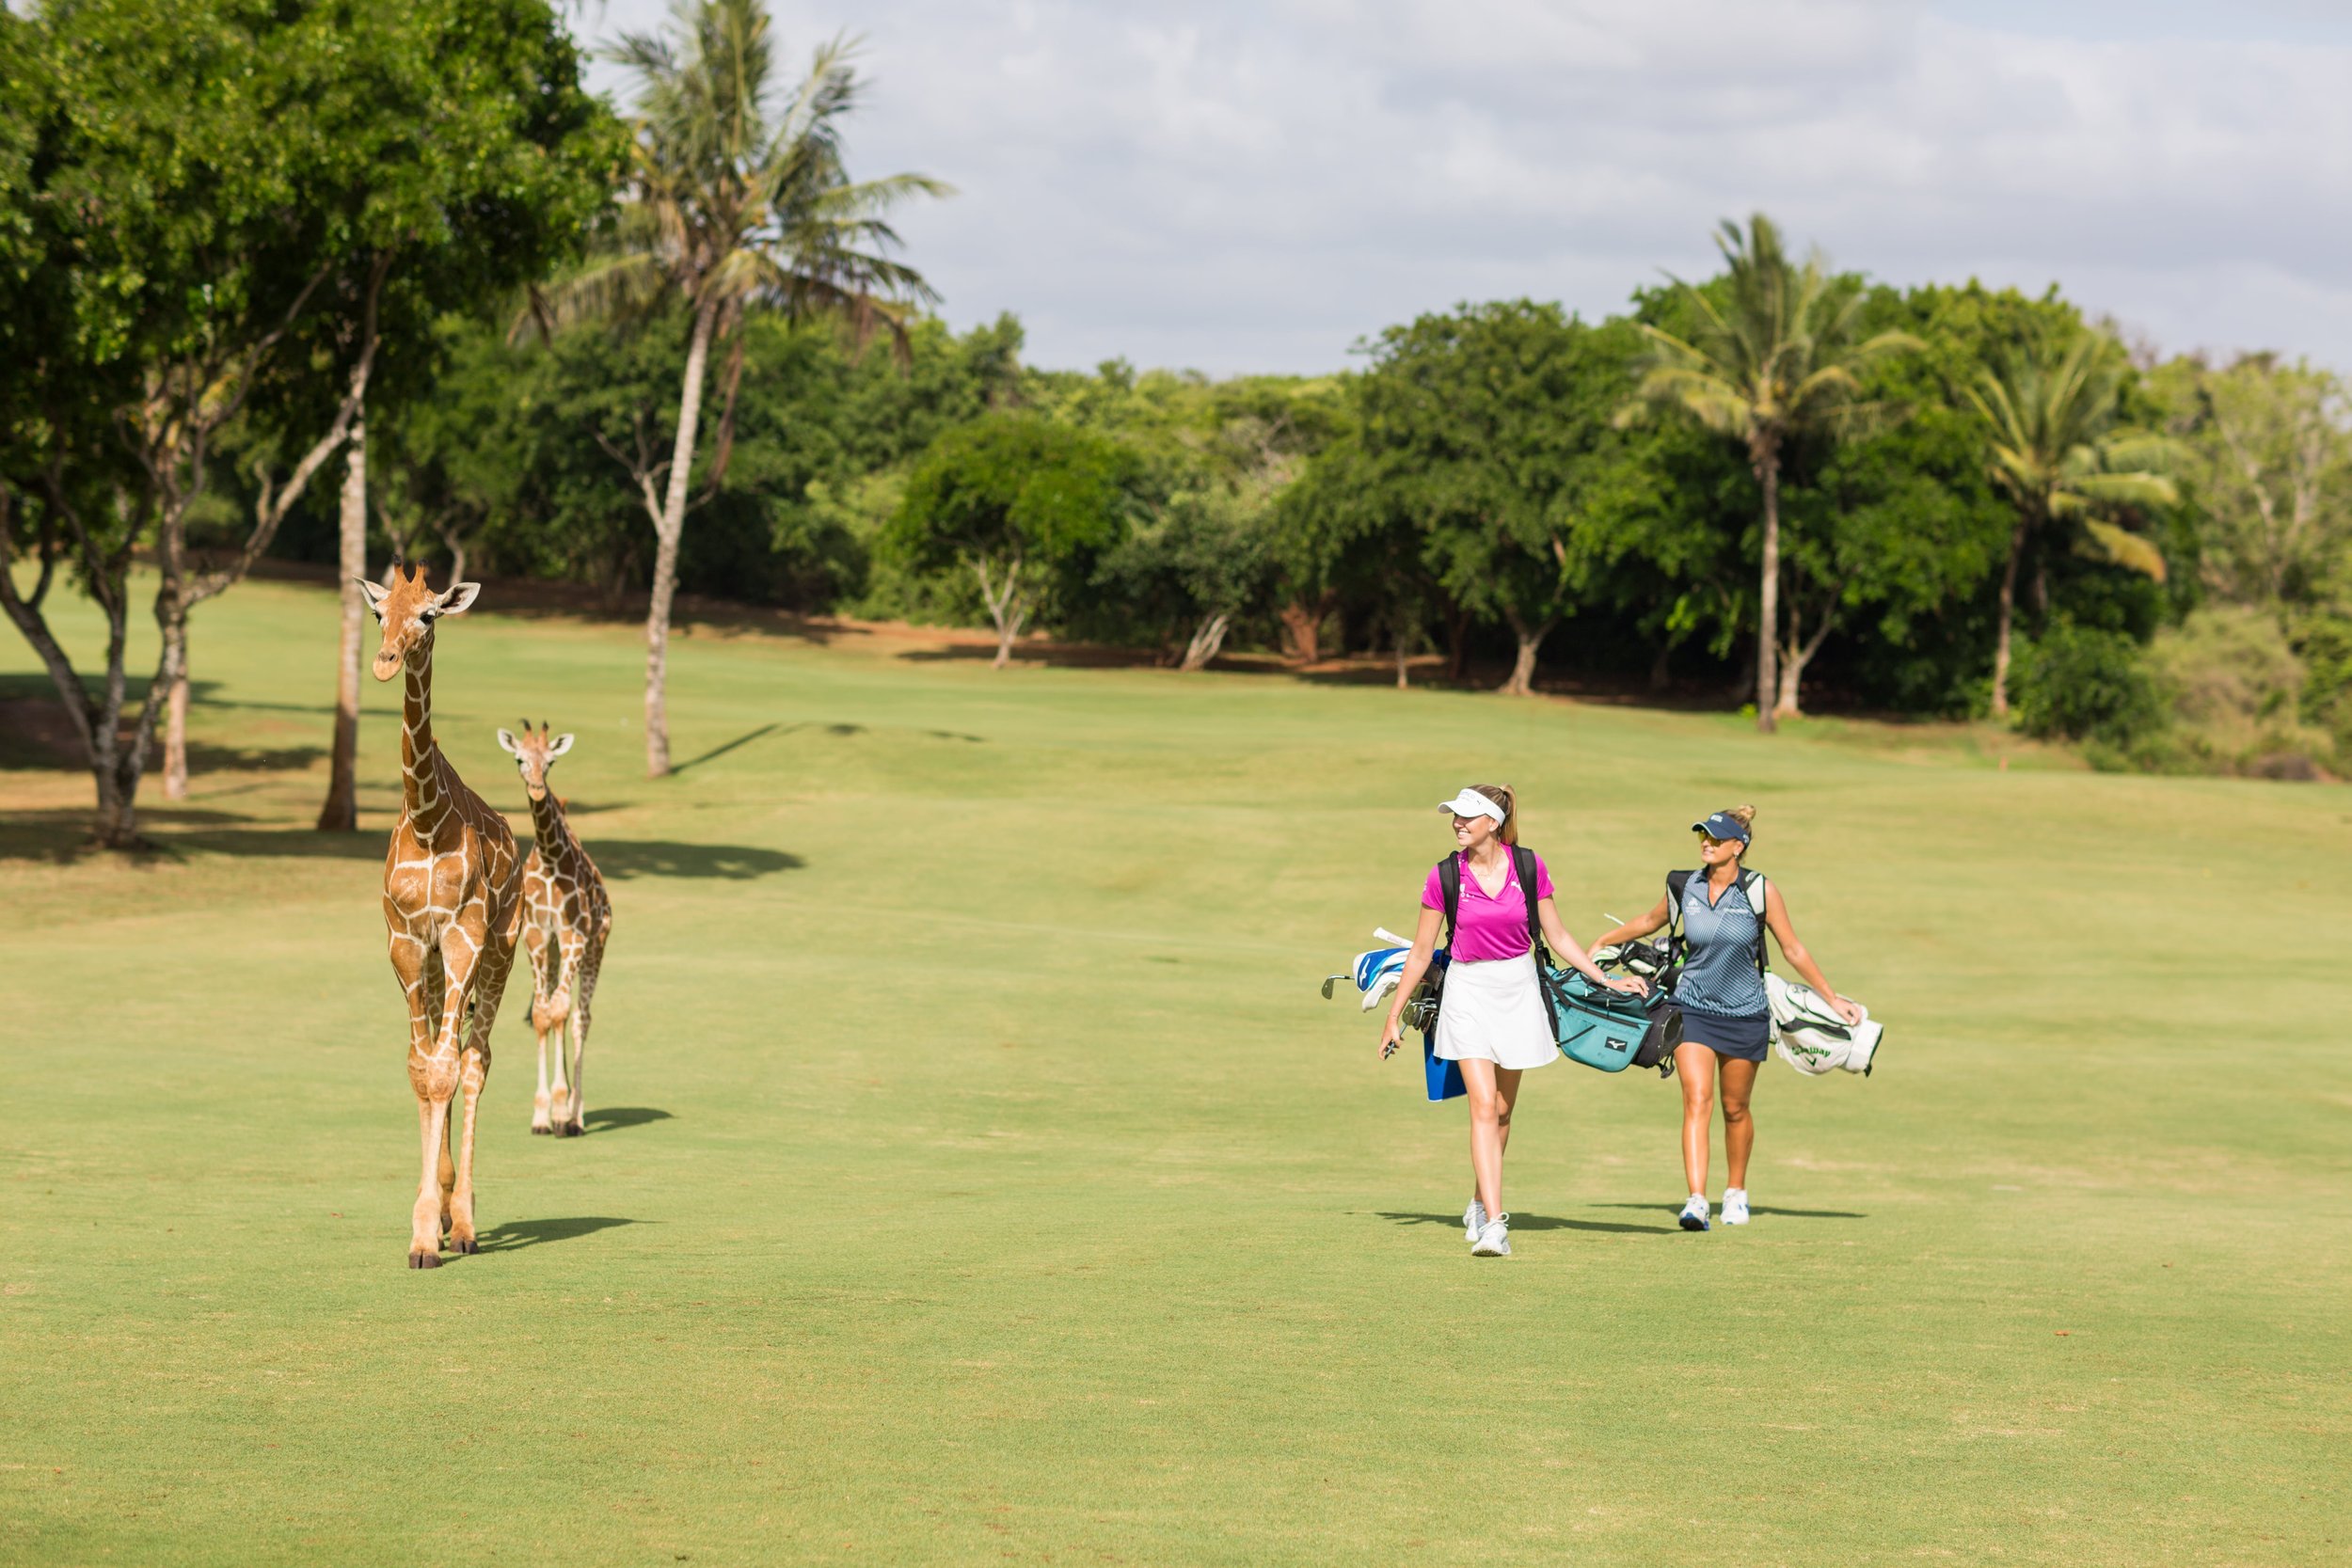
624, 859
516, 1234
613, 1118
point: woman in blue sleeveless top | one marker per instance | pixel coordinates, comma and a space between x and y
1726, 1022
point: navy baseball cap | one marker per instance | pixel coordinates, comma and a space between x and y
1723, 825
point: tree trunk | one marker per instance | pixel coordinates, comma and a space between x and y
1767, 595
1661, 668
1206, 640
2007, 618
673, 522
1302, 623
1798, 655
1456, 642
1522, 681
115, 768
1004, 606
340, 812
176, 720
1401, 682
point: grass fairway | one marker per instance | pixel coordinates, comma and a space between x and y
977, 1176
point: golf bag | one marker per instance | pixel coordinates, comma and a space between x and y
1649, 962
1811, 1037
1607, 1029
1377, 972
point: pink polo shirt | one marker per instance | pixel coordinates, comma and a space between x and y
1488, 928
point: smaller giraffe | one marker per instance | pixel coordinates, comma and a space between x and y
566, 917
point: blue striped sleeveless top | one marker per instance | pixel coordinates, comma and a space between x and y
1720, 975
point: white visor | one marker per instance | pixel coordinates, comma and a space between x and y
1470, 803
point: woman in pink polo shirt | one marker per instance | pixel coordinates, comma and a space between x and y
1493, 1021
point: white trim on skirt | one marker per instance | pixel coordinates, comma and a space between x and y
1494, 1012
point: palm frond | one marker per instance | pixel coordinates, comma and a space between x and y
608, 288
2120, 546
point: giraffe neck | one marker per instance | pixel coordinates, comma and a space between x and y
549, 827
419, 760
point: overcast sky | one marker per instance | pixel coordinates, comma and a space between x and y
1257, 185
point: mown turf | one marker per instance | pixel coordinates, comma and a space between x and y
977, 1176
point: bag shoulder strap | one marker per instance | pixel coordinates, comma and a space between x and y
1677, 883
1449, 884
1757, 891
1523, 861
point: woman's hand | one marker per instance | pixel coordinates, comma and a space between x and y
1392, 1037
1627, 985
1847, 1008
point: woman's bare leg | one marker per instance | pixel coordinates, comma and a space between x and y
1738, 1127
1694, 1066
1493, 1090
1507, 1085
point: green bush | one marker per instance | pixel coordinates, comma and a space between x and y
2236, 691
2081, 683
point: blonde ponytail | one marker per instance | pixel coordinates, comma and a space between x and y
1503, 796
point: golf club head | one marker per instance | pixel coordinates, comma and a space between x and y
1327, 984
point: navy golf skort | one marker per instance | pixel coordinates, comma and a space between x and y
1744, 1038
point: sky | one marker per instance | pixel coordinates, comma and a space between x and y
1260, 185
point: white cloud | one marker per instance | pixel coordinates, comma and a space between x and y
1239, 187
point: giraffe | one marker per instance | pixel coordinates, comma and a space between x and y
567, 916
452, 902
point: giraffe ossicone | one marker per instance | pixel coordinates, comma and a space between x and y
566, 917
452, 900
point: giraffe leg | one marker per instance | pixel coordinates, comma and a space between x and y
473, 1072
417, 967
534, 939
560, 1089
437, 1078
584, 990
563, 1013
490, 988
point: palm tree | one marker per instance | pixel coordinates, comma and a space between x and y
732, 206
1777, 359
2053, 404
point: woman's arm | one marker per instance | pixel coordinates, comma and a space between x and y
1640, 926
1416, 965
1565, 947
1776, 917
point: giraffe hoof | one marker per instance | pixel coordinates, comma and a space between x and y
424, 1259
469, 1247
571, 1129
541, 1131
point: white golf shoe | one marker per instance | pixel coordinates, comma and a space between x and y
1735, 1206
1473, 1220
1494, 1239
1695, 1213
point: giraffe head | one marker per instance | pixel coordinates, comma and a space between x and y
533, 755
407, 609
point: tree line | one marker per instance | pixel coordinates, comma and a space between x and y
680, 348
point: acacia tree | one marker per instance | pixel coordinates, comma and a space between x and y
181, 240
1025, 505
1771, 354
1489, 417
468, 159
734, 204
2053, 407
2272, 444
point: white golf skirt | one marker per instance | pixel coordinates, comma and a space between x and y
1493, 1012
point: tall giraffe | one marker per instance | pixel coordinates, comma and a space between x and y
452, 902
567, 916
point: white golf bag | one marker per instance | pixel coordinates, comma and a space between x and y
1809, 1034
